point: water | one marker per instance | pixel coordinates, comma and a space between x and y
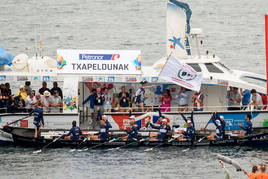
233, 30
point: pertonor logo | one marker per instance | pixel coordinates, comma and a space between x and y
99, 56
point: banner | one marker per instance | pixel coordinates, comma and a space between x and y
181, 74
70, 95
99, 62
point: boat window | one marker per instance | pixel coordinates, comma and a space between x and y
212, 68
195, 66
222, 65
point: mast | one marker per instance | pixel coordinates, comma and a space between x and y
266, 42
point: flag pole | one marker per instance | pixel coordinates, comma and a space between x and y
165, 63
266, 42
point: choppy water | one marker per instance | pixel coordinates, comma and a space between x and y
233, 30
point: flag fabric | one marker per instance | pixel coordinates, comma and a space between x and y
181, 74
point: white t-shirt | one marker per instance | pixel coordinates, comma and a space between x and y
55, 101
257, 98
29, 102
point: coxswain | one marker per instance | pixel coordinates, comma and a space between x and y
164, 128
218, 135
75, 132
140, 94
103, 133
38, 118
248, 127
133, 131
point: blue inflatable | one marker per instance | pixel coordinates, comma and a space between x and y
5, 57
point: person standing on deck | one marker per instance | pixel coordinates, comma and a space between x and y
183, 98
256, 100
44, 88
56, 88
235, 100
107, 100
248, 127
91, 99
28, 87
165, 100
75, 132
38, 118
123, 99
139, 95
98, 107
246, 98
198, 100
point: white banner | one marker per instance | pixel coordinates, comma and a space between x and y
181, 74
70, 95
99, 62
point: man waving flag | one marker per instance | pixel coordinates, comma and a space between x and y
181, 74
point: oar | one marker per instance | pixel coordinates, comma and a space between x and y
112, 140
137, 141
85, 139
56, 139
230, 161
16, 121
152, 148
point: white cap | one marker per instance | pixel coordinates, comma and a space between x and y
189, 121
221, 117
132, 117
163, 120
104, 116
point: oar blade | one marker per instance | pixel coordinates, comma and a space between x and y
72, 150
147, 150
37, 151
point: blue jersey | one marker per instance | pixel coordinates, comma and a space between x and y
248, 128
91, 99
246, 97
189, 133
219, 129
75, 131
38, 116
192, 119
133, 133
104, 131
162, 131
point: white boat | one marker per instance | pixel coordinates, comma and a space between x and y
216, 80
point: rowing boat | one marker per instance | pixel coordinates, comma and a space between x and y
25, 137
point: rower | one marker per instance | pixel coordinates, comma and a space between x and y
189, 134
248, 127
103, 133
75, 131
133, 131
163, 130
38, 118
223, 123
189, 118
218, 135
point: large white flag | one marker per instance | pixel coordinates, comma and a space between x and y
181, 74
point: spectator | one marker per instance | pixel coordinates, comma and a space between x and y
91, 99
98, 107
19, 104
198, 100
11, 104
22, 93
3, 99
123, 98
46, 100
2, 102
56, 102
183, 98
262, 173
165, 100
56, 88
235, 100
246, 98
264, 100
8, 90
30, 101
107, 100
44, 88
28, 89
256, 100
229, 94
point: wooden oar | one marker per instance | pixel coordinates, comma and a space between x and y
85, 139
112, 140
152, 148
56, 139
16, 121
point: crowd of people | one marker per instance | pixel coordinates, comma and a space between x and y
26, 98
